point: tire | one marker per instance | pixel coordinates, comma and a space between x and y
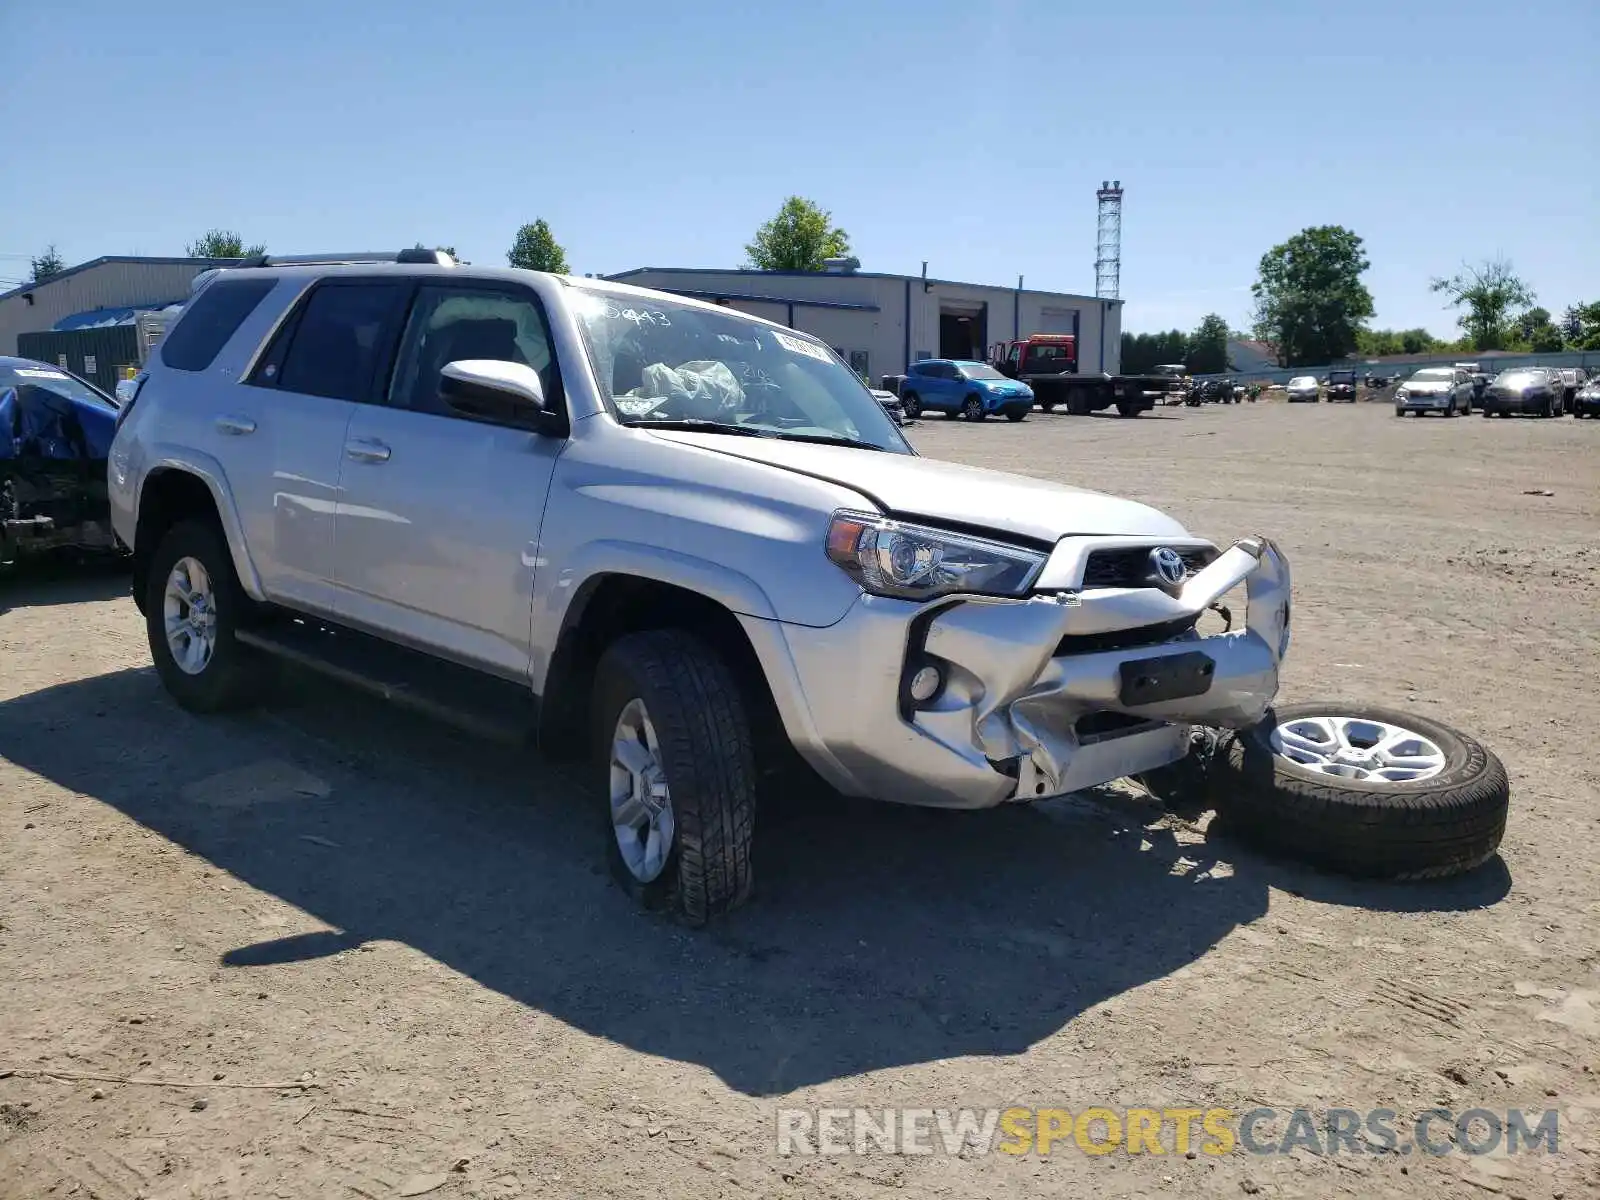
1422, 829
1048, 405
231, 675
1399, 412
972, 409
1450, 410
706, 756
911, 405
1016, 416
1128, 410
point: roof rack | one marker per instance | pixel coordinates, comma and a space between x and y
414, 256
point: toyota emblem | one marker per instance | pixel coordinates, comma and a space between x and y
1168, 564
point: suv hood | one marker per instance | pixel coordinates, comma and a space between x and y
949, 493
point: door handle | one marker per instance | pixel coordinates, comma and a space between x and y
366, 450
238, 426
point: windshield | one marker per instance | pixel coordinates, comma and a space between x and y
979, 371
657, 360
1520, 378
50, 379
1172, 370
1303, 381
1434, 375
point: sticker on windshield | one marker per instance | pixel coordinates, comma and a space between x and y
799, 346
35, 373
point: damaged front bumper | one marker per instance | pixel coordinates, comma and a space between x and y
1048, 694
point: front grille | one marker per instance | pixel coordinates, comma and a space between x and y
1130, 568
1125, 639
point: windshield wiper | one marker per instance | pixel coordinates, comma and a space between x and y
701, 425
825, 439
695, 425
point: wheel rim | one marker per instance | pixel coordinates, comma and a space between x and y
189, 615
1358, 748
641, 805
974, 410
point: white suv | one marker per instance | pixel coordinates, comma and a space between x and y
676, 538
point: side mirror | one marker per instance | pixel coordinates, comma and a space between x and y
506, 393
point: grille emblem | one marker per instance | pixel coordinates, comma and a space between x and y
1168, 565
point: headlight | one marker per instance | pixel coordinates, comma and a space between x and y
913, 562
1402, 394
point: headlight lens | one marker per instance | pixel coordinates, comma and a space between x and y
913, 562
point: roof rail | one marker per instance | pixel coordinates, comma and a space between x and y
415, 255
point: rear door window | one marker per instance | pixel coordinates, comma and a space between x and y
210, 319
343, 334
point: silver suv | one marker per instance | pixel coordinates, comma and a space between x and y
684, 542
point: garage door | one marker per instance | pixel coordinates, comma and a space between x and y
1058, 320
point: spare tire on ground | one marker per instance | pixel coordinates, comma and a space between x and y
1367, 791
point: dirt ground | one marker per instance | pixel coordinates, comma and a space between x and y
381, 959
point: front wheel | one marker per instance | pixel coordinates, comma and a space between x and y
972, 409
1017, 414
193, 607
1368, 791
911, 405
673, 734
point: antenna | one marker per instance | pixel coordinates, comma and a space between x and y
1108, 242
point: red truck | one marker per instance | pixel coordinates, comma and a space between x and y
1048, 363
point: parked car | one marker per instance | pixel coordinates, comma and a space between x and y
1304, 389
55, 429
1444, 390
891, 404
958, 387
1587, 402
1341, 387
680, 538
1533, 390
1572, 381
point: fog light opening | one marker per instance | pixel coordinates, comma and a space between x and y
926, 683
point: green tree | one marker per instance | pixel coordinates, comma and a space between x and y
1208, 347
1310, 301
1375, 343
1588, 327
800, 238
1486, 295
45, 265
1571, 325
222, 243
536, 249
1143, 351
1418, 341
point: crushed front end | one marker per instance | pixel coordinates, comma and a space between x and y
1096, 673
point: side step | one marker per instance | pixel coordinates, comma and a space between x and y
481, 704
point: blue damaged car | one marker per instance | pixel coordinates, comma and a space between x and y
55, 430
973, 390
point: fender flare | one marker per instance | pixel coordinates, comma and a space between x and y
560, 607
209, 471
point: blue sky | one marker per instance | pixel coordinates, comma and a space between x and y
973, 135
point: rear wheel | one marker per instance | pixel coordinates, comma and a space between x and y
1129, 409
193, 606
678, 766
972, 409
911, 404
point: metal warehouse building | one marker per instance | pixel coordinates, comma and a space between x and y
879, 323
90, 314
